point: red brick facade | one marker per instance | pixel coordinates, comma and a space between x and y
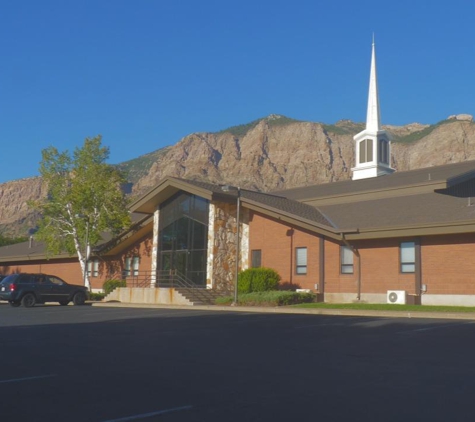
109, 266
447, 262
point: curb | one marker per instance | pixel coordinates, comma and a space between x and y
304, 311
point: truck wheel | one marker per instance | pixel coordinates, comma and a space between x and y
28, 300
79, 298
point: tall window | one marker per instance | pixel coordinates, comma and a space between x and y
366, 150
183, 236
93, 268
256, 255
408, 257
301, 260
384, 151
346, 259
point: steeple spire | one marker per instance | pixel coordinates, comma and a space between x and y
373, 144
373, 116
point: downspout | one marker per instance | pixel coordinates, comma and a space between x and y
357, 254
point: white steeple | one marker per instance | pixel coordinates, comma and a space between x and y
373, 116
372, 145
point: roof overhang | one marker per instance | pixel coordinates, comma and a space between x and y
168, 187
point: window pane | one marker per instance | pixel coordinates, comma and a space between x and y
346, 255
408, 257
347, 269
369, 150
256, 258
200, 235
182, 233
301, 260
301, 256
408, 252
363, 151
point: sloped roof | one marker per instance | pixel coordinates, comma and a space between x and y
430, 210
437, 177
35, 250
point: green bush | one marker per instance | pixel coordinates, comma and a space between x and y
110, 285
258, 280
96, 296
224, 300
275, 298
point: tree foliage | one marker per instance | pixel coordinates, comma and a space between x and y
5, 240
84, 199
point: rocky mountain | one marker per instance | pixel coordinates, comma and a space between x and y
268, 154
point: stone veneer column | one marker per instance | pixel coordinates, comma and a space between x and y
222, 253
156, 219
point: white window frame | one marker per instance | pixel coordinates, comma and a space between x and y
347, 265
301, 261
93, 268
407, 257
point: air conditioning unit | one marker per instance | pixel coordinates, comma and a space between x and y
397, 297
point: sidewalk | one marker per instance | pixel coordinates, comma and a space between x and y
306, 311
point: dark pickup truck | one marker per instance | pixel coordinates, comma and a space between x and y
30, 289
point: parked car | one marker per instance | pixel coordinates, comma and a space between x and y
30, 289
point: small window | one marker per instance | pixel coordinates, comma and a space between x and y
135, 265
301, 260
256, 256
408, 257
366, 151
93, 268
384, 151
128, 265
346, 258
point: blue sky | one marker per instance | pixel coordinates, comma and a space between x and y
145, 73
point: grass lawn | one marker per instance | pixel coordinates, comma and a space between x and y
386, 307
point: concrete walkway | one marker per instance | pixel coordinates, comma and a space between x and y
307, 311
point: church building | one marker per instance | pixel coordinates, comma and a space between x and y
383, 236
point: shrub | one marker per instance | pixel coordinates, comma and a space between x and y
275, 298
258, 280
224, 300
96, 296
110, 285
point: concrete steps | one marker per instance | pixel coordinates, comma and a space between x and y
199, 296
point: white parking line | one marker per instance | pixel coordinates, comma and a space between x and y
27, 378
147, 415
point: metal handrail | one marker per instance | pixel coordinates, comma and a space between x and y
140, 279
163, 278
173, 278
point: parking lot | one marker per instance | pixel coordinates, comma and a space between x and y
121, 364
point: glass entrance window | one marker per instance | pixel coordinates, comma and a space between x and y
183, 236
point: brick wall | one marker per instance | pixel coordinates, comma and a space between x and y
278, 241
69, 269
448, 264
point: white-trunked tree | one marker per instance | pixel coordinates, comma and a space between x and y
85, 200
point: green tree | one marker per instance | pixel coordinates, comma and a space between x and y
84, 200
5, 240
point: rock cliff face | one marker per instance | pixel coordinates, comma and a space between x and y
269, 154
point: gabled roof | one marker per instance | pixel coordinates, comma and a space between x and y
275, 205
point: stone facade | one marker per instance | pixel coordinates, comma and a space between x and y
222, 256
